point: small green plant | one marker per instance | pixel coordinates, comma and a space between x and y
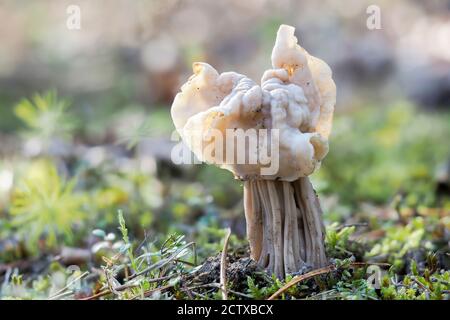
146, 267
429, 284
274, 284
399, 240
128, 247
46, 116
45, 207
337, 241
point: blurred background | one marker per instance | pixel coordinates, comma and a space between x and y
85, 119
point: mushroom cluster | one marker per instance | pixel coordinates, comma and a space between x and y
290, 114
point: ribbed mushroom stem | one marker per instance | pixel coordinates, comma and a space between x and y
284, 225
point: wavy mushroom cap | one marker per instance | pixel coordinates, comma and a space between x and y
310, 73
297, 98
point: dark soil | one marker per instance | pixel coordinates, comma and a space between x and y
239, 268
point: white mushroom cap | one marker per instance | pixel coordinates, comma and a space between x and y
302, 68
297, 97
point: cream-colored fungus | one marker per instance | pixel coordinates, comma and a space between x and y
296, 100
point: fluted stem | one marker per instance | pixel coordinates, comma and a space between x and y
284, 225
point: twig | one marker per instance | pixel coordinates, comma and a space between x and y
126, 286
143, 242
163, 262
63, 294
300, 278
59, 292
420, 284
97, 295
185, 262
223, 266
317, 272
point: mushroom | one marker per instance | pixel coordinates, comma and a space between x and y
294, 104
